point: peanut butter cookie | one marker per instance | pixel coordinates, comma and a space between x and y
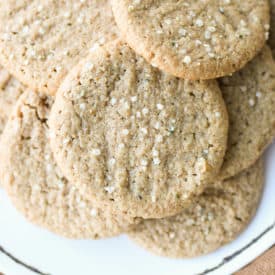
194, 39
134, 137
40, 41
214, 219
35, 184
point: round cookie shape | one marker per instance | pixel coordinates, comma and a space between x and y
216, 218
10, 91
250, 98
40, 41
35, 184
134, 137
194, 39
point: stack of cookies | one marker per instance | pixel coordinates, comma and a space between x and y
140, 117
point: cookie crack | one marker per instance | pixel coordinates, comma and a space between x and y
42, 120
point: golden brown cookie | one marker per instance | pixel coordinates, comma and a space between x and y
35, 184
40, 41
214, 219
250, 98
134, 137
194, 39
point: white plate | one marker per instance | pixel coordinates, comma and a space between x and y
57, 256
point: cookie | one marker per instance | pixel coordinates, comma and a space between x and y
40, 41
35, 184
194, 39
214, 219
134, 137
10, 90
271, 40
250, 98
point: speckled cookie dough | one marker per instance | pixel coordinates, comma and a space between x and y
10, 90
194, 39
271, 40
40, 41
250, 98
134, 137
214, 219
35, 184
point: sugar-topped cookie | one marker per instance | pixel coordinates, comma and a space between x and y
134, 137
